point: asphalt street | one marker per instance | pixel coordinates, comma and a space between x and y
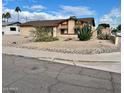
28, 75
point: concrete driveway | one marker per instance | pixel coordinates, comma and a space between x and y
27, 75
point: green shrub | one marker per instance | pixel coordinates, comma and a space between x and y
119, 27
114, 31
84, 33
46, 39
104, 25
43, 35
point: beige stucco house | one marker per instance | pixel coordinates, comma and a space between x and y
61, 27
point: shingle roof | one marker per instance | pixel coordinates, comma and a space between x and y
43, 23
9, 23
53, 23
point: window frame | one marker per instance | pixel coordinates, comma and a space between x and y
63, 31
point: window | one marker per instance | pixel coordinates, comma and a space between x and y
64, 31
12, 29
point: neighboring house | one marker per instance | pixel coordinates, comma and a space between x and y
61, 27
10, 28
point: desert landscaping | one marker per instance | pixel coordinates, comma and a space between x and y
93, 46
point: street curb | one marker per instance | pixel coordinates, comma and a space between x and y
61, 59
101, 61
64, 61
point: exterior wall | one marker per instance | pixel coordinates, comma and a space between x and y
63, 25
63, 37
94, 35
58, 30
71, 33
6, 30
26, 31
68, 36
3, 29
54, 31
118, 41
71, 25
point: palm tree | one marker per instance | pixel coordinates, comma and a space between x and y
3, 16
7, 16
17, 9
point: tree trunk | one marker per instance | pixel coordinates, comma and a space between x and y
18, 16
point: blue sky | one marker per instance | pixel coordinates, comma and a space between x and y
102, 10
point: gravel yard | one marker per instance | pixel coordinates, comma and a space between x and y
80, 47
14, 40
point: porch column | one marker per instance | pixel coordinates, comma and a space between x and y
54, 31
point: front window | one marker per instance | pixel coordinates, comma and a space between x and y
64, 31
12, 29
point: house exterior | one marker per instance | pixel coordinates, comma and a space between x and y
10, 28
61, 27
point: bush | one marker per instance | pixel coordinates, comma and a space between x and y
112, 38
43, 35
119, 27
101, 35
114, 31
104, 25
99, 29
104, 36
84, 33
46, 39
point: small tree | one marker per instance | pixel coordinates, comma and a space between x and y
7, 16
3, 16
17, 9
73, 17
84, 33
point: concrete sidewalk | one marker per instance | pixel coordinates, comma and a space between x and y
111, 61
